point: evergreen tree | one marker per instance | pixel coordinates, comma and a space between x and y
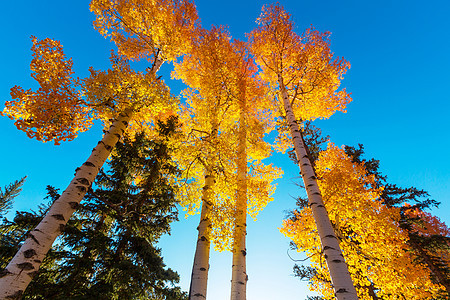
13, 234
108, 249
7, 196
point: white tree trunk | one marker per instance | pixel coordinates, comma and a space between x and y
340, 276
199, 277
239, 271
25, 265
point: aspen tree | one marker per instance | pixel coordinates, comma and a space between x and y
375, 246
213, 117
167, 38
126, 89
207, 117
252, 100
307, 78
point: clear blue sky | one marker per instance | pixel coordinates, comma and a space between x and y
399, 80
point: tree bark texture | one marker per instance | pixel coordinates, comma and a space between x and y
199, 278
340, 276
239, 270
25, 265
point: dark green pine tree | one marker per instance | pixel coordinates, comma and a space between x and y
108, 248
13, 233
7, 196
8, 236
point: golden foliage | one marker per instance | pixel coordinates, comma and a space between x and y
62, 106
374, 246
304, 64
147, 29
222, 85
111, 92
55, 112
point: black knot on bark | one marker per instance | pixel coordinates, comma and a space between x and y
29, 253
83, 181
244, 252
89, 164
199, 295
81, 188
30, 235
202, 269
25, 266
59, 217
341, 290
74, 205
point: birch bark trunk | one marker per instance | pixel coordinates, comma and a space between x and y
25, 265
340, 276
18, 274
239, 270
199, 278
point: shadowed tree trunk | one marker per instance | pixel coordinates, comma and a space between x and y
199, 278
24, 266
239, 269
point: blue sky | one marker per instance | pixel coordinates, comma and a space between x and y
399, 80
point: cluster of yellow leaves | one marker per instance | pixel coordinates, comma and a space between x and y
374, 247
55, 112
147, 29
222, 86
119, 88
304, 63
158, 30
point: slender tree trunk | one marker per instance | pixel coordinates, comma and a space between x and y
340, 276
239, 270
199, 278
24, 266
